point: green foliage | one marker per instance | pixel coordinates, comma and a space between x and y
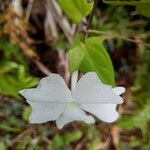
93, 137
16, 80
10, 51
62, 142
13, 74
143, 77
76, 55
26, 113
91, 55
95, 145
76, 9
142, 6
144, 10
139, 121
141, 97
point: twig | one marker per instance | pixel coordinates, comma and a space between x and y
115, 136
42, 67
132, 24
69, 32
114, 35
51, 32
24, 45
92, 14
61, 20
23, 134
90, 19
29, 9
33, 56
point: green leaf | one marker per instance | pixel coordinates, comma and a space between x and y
144, 9
11, 52
8, 66
13, 79
62, 142
92, 56
72, 137
142, 6
26, 113
9, 129
76, 9
76, 55
57, 143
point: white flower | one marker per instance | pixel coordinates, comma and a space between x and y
52, 100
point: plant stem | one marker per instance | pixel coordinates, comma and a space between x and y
90, 19
109, 35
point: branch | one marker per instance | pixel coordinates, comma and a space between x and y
61, 20
50, 26
42, 67
115, 35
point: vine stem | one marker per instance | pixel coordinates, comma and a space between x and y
110, 35
90, 19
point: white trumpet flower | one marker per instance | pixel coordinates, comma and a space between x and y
52, 100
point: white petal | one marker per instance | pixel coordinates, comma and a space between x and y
51, 89
48, 100
118, 90
74, 79
44, 112
73, 114
90, 89
104, 112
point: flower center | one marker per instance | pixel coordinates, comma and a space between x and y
73, 105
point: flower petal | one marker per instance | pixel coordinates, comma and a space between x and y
44, 112
91, 90
48, 100
104, 112
73, 114
118, 90
51, 89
